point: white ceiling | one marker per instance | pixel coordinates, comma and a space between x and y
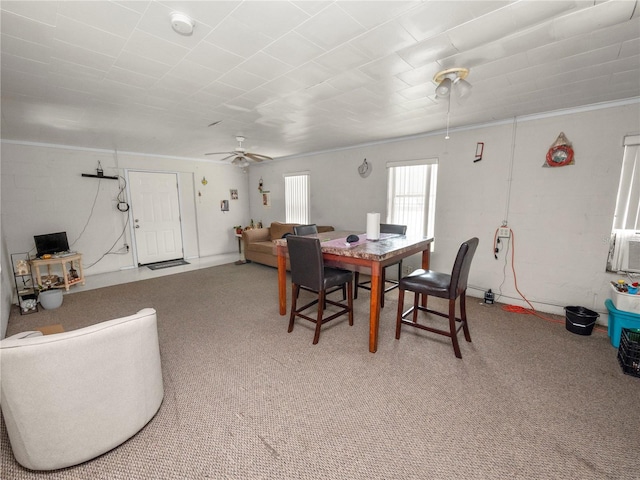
299, 76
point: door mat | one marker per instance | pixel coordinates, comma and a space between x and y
50, 329
170, 263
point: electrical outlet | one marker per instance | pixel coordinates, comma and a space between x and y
504, 232
408, 269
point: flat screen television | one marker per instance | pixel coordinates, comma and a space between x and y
51, 243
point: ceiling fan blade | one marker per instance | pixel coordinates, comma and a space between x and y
227, 157
257, 157
220, 153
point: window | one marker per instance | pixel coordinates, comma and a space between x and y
296, 197
624, 250
411, 195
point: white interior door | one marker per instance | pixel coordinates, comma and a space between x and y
155, 211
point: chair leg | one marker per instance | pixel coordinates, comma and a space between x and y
463, 316
350, 301
357, 280
400, 308
295, 289
416, 297
321, 304
452, 327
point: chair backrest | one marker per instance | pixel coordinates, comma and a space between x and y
392, 228
461, 267
307, 264
305, 229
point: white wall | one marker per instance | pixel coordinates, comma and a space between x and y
43, 191
561, 217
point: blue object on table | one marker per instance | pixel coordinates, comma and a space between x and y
619, 319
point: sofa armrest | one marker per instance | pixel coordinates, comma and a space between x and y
255, 235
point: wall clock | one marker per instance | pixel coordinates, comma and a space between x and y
364, 169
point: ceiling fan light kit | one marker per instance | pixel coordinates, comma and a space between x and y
444, 87
448, 80
182, 24
452, 79
240, 155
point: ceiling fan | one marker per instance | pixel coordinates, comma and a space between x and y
240, 156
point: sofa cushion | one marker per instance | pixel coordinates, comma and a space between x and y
278, 229
262, 247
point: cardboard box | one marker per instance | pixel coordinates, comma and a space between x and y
625, 301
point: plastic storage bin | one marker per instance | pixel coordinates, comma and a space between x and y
625, 301
629, 352
619, 319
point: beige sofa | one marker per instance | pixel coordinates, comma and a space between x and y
258, 242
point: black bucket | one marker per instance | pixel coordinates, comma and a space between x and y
580, 320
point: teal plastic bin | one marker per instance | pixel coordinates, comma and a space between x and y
619, 319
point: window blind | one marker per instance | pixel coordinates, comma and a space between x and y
627, 213
626, 220
296, 197
411, 195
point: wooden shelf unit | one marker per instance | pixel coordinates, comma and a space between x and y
74, 261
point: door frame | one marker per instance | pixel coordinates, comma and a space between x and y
132, 235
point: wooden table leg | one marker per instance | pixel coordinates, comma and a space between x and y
80, 271
282, 280
65, 276
374, 307
38, 276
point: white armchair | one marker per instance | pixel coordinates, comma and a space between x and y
69, 397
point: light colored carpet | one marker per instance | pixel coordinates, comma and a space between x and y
246, 400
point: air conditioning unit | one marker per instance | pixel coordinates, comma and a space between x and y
631, 255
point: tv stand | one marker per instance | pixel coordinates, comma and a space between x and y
68, 280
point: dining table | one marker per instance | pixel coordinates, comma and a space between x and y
364, 255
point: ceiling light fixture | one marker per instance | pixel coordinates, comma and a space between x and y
452, 79
448, 80
240, 161
182, 24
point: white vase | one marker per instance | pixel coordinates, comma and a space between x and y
50, 299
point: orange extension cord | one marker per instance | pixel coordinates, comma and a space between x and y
517, 308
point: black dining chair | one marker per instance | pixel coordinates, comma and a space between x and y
305, 229
449, 286
386, 285
308, 270
311, 229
